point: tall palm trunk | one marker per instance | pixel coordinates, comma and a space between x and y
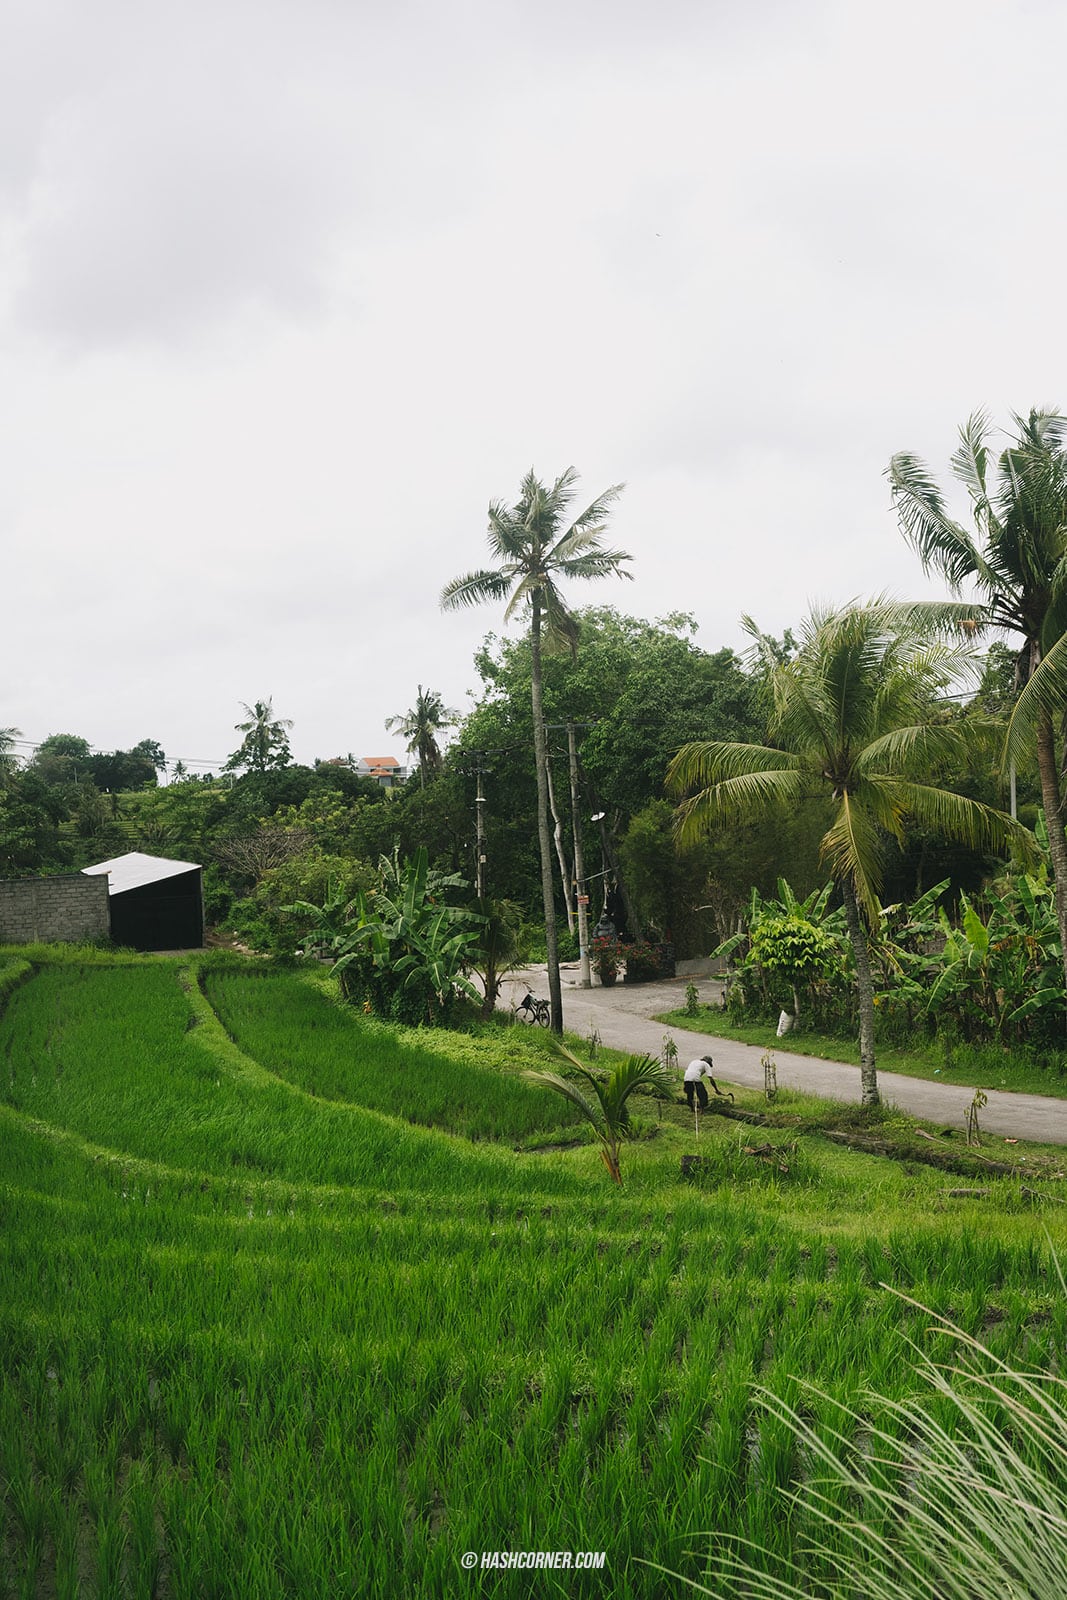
1057, 839
544, 836
864, 994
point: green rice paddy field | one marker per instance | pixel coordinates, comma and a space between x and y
293, 1304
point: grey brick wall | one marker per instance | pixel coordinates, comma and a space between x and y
63, 910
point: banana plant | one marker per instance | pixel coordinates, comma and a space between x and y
405, 940
1005, 969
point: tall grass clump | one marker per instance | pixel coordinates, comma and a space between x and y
959, 1492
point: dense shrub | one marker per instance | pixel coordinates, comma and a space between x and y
646, 962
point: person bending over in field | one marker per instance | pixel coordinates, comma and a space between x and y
695, 1073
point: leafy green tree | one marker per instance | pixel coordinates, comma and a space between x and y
31, 812
789, 945
606, 1105
8, 761
1017, 558
59, 758
997, 689
96, 822
795, 950
536, 548
420, 726
301, 903
266, 742
151, 750
852, 717
120, 770
642, 689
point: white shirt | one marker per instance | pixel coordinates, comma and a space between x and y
697, 1070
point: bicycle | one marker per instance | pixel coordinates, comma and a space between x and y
537, 1013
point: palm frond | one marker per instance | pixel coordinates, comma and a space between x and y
598, 510
1044, 695
851, 848
970, 462
1043, 428
942, 544
593, 564
473, 588
746, 798
562, 629
921, 746
507, 534
709, 761
523, 593
956, 817
765, 653
636, 1072
591, 1110
806, 714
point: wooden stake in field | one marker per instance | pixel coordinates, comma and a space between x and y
696, 1115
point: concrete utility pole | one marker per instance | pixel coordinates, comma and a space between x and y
479, 847
585, 976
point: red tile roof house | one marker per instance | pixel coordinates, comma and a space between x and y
385, 770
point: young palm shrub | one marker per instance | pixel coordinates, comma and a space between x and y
960, 1494
501, 946
607, 1108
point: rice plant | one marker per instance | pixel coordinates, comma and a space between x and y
257, 1341
959, 1491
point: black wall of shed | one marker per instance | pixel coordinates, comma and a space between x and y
168, 915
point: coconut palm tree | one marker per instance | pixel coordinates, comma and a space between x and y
535, 548
265, 743
607, 1110
853, 718
420, 727
1017, 558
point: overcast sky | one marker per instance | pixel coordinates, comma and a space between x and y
290, 289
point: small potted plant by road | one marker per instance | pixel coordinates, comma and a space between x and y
606, 958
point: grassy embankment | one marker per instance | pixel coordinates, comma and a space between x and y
983, 1066
263, 1335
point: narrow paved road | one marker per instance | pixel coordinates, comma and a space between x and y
622, 1017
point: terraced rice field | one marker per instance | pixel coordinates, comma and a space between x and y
283, 1312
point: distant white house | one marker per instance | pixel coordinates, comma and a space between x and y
385, 770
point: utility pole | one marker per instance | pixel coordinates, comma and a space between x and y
476, 764
585, 976
479, 846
